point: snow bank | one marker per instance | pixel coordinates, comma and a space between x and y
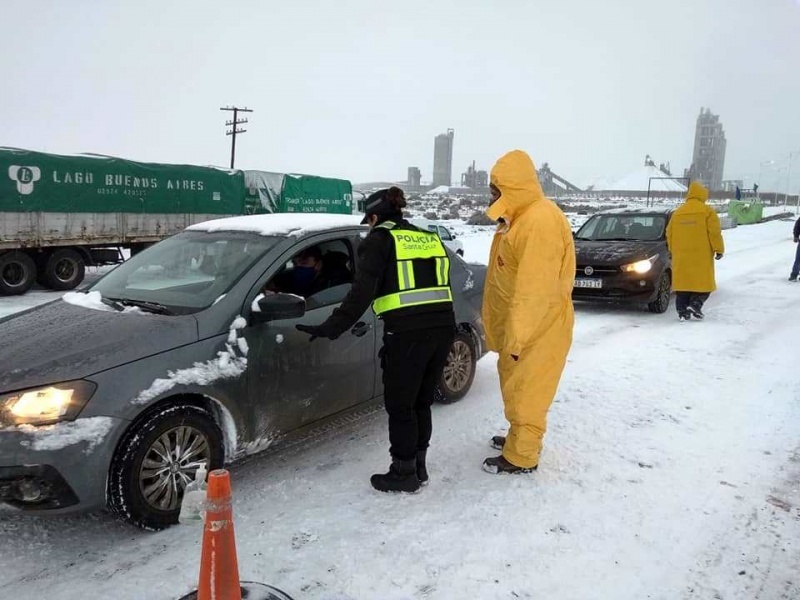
286, 224
56, 437
227, 365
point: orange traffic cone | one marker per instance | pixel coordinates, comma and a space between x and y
219, 568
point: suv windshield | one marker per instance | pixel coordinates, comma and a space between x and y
644, 228
184, 273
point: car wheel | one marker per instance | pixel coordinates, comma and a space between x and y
155, 461
17, 273
661, 303
460, 252
459, 371
64, 270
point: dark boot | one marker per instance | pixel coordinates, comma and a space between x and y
402, 477
497, 442
498, 465
422, 470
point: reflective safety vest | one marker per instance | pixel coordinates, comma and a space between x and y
423, 271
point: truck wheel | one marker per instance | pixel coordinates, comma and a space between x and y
155, 461
17, 273
459, 371
64, 270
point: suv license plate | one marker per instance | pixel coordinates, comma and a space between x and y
589, 283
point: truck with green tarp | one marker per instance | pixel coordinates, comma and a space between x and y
60, 213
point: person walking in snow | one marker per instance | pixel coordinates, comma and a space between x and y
405, 273
796, 267
694, 237
527, 307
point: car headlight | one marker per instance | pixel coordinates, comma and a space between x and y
46, 405
641, 267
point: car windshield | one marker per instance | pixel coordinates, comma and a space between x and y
645, 228
184, 273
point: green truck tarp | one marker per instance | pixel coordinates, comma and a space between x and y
291, 193
746, 212
39, 182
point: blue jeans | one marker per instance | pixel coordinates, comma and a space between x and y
796, 267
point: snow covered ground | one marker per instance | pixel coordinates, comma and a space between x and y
671, 470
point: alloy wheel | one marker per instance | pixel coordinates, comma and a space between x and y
458, 369
169, 465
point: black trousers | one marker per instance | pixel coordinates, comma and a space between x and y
412, 363
684, 300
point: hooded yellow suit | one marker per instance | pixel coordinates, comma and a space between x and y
694, 235
527, 306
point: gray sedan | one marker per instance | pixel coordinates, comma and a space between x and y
187, 354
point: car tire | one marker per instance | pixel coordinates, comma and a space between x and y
661, 304
459, 371
64, 270
17, 273
137, 492
460, 252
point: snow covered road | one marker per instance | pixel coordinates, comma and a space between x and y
671, 470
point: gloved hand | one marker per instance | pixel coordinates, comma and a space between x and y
797, 240
718, 255
315, 331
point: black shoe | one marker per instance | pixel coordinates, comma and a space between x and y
684, 316
422, 470
497, 442
402, 477
499, 465
792, 277
696, 312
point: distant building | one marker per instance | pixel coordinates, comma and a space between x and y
414, 178
475, 179
443, 159
708, 162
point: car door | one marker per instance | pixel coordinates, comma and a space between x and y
295, 382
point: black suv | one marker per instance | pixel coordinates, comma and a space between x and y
622, 256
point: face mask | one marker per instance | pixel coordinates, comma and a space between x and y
303, 275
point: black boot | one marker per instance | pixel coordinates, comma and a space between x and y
422, 470
497, 442
499, 465
402, 477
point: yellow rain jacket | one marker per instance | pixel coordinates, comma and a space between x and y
527, 304
694, 235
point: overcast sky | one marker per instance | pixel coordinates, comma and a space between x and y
359, 88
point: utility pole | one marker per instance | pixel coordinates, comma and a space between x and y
234, 125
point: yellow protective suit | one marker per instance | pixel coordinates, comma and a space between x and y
694, 235
527, 304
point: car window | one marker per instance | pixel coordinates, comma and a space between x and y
623, 227
444, 233
321, 273
185, 272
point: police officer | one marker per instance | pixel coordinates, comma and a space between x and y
405, 273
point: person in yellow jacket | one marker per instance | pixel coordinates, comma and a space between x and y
695, 239
527, 307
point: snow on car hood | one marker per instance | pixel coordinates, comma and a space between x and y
60, 341
615, 253
284, 224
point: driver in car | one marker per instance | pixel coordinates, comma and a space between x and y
311, 273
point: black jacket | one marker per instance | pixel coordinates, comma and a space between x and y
797, 229
375, 257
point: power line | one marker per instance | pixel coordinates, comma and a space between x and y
234, 125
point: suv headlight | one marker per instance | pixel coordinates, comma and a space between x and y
641, 267
46, 405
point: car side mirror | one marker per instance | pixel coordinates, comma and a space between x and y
277, 307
